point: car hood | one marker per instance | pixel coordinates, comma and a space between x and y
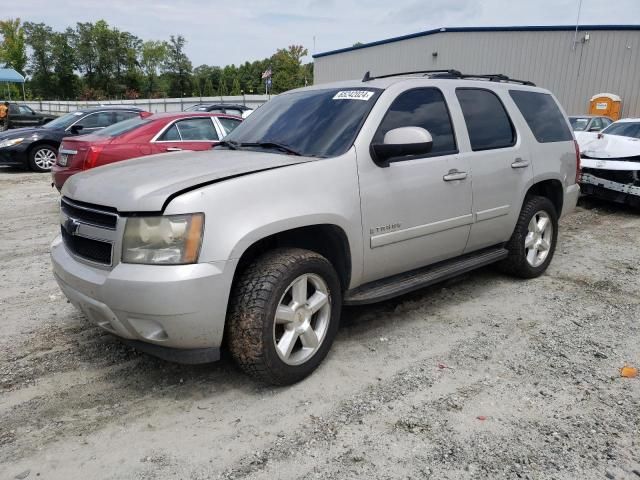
612, 146
20, 132
145, 184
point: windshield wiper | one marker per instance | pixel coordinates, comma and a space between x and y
230, 144
280, 146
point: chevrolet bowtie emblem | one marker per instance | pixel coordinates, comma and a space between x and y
71, 226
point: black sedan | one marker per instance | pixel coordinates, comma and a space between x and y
36, 147
21, 115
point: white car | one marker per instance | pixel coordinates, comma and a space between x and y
586, 127
611, 163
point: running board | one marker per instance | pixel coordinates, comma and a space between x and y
400, 284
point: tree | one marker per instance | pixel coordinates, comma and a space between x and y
287, 72
13, 49
153, 55
64, 64
178, 66
235, 89
39, 38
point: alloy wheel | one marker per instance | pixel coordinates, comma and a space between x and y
537, 243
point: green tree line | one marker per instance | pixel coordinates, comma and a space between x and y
95, 61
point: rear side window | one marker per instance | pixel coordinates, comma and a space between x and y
487, 121
421, 107
195, 129
542, 115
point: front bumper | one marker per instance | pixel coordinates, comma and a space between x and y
16, 155
178, 310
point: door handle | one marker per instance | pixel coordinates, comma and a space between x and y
520, 163
454, 175
174, 149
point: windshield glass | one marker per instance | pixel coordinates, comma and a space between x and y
122, 127
624, 129
63, 121
578, 124
315, 123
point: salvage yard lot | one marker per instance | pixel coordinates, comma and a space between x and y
482, 377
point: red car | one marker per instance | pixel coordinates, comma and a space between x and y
159, 133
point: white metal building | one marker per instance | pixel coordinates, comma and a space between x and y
574, 65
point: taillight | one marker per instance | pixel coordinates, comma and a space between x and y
575, 142
92, 156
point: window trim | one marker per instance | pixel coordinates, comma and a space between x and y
409, 158
173, 122
514, 130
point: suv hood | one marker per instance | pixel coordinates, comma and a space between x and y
145, 184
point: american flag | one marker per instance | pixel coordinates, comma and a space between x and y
266, 73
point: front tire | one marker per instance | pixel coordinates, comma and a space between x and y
284, 315
534, 239
42, 158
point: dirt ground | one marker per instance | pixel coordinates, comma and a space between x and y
482, 377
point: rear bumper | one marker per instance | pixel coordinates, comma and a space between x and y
571, 195
59, 175
168, 308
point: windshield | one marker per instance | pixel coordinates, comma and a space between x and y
624, 129
578, 124
63, 121
122, 127
315, 123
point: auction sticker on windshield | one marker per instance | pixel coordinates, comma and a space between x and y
353, 95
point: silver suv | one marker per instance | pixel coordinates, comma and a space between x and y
337, 194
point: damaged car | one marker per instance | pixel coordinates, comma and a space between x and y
611, 163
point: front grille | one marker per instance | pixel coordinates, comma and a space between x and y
87, 248
89, 215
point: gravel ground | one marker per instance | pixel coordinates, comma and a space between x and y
481, 377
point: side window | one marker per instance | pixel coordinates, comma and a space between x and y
13, 109
229, 124
542, 115
24, 110
124, 115
606, 122
487, 121
197, 129
96, 120
170, 135
421, 107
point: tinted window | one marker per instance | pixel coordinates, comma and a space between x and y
64, 121
197, 129
96, 120
122, 127
624, 129
171, 135
487, 121
229, 124
422, 107
124, 115
25, 110
13, 109
317, 122
542, 115
578, 124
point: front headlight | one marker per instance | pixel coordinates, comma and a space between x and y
163, 240
11, 142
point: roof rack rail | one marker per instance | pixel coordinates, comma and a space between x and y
492, 77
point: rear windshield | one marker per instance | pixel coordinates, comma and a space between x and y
122, 127
578, 124
542, 115
624, 129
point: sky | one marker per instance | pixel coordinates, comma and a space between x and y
226, 32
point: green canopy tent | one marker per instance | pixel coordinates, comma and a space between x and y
9, 75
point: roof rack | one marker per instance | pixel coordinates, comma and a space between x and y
492, 77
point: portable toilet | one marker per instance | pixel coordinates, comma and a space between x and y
607, 104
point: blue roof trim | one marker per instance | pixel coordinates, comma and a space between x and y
531, 28
10, 75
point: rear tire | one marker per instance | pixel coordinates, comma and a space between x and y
284, 314
42, 158
534, 239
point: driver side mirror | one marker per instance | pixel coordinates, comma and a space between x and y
76, 129
401, 142
595, 129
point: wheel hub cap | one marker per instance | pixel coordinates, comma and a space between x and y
302, 319
537, 243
